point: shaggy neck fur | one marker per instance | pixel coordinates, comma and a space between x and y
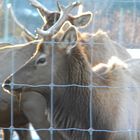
72, 103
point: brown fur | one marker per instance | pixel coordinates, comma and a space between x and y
114, 107
51, 19
21, 112
100, 48
5, 111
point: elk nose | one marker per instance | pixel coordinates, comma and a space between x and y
7, 85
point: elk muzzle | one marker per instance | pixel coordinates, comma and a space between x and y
9, 86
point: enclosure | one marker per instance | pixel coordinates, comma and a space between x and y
120, 19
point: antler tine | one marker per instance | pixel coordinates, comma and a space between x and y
63, 17
39, 6
18, 23
59, 6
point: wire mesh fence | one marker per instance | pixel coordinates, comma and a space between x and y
65, 119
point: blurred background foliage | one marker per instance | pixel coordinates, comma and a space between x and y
119, 18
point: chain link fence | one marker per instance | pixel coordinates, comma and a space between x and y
120, 19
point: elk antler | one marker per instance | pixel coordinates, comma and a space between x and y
59, 6
64, 12
27, 32
42, 9
38, 5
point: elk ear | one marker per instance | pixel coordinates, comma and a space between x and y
69, 39
82, 20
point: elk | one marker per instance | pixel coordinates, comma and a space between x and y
5, 107
72, 22
32, 105
20, 120
96, 42
28, 112
79, 100
5, 99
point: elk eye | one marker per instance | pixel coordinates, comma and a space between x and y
41, 60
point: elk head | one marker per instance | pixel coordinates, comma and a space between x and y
43, 55
46, 64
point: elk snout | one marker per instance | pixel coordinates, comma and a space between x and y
7, 84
